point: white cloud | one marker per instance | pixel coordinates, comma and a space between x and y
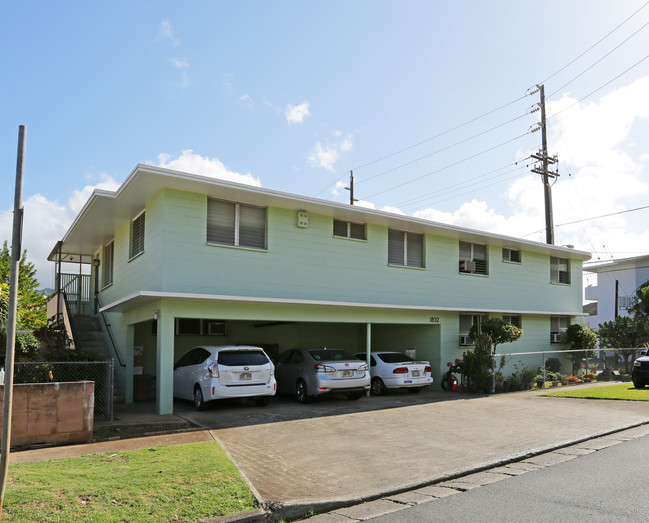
167, 32
45, 222
179, 64
326, 155
245, 101
205, 166
601, 172
297, 113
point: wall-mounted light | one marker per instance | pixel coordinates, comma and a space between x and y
96, 262
156, 315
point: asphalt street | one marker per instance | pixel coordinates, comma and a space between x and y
605, 485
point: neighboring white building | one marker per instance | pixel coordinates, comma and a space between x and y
625, 275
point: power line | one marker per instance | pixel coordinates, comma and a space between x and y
442, 133
442, 149
592, 218
599, 88
595, 44
449, 166
470, 181
598, 61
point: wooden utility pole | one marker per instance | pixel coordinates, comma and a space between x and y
16, 247
546, 161
351, 188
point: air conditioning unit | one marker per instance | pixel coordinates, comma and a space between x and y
465, 340
216, 328
556, 338
467, 266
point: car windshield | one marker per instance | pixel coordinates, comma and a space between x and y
394, 357
331, 355
234, 358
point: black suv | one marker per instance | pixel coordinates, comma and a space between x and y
640, 374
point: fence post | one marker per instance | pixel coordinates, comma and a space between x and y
111, 387
543, 369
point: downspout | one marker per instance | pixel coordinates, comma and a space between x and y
368, 349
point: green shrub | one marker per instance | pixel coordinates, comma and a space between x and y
553, 365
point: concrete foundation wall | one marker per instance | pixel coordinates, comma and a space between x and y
51, 413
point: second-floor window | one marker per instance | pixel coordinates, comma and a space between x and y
511, 255
405, 248
236, 224
107, 263
137, 235
353, 230
559, 270
473, 258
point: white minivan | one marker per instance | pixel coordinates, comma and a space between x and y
209, 373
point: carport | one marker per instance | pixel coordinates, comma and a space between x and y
158, 330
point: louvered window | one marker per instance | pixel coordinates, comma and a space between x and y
405, 248
236, 224
107, 263
473, 258
353, 230
511, 255
515, 320
137, 235
559, 270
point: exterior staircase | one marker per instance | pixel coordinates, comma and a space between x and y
89, 337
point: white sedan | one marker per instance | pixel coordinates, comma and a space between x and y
393, 370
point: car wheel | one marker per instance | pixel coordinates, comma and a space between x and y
638, 384
354, 395
414, 390
262, 401
378, 387
198, 398
300, 392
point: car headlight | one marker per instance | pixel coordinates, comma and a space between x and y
636, 363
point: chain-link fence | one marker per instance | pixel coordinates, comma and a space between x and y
101, 372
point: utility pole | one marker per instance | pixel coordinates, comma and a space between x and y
542, 169
16, 247
617, 296
351, 188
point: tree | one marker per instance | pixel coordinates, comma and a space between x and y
31, 307
27, 282
581, 338
487, 335
625, 332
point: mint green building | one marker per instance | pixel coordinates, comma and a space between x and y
177, 260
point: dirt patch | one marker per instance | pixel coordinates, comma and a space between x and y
109, 432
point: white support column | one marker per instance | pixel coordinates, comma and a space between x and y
165, 364
368, 349
128, 371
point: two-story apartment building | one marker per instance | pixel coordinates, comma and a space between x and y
616, 284
179, 260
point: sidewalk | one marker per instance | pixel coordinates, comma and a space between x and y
336, 453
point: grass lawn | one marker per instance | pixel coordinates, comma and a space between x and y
190, 482
621, 391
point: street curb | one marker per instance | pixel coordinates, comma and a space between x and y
273, 511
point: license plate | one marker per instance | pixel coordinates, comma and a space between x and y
346, 373
415, 373
245, 376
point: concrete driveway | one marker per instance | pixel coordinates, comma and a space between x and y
334, 449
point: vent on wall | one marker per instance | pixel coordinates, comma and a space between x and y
216, 328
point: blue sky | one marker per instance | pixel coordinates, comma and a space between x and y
292, 95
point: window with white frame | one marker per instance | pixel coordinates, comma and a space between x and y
466, 322
473, 258
137, 235
559, 270
514, 319
625, 302
511, 255
558, 328
107, 263
405, 248
344, 229
236, 224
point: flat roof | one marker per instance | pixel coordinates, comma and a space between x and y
95, 224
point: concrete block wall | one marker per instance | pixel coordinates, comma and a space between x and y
51, 413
